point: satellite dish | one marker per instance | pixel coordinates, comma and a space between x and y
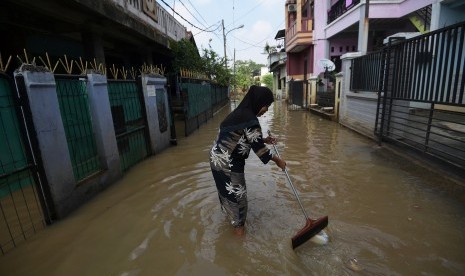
326, 64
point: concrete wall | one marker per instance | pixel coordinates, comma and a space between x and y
43, 102
67, 194
295, 63
356, 110
279, 76
154, 88
102, 123
133, 17
339, 47
447, 12
320, 41
378, 9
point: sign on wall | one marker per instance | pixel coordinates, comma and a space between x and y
151, 91
150, 8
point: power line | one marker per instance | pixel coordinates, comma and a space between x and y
192, 5
192, 14
256, 44
252, 9
252, 45
212, 31
197, 12
184, 18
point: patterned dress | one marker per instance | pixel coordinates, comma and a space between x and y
227, 160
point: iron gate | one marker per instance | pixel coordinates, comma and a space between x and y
77, 122
197, 97
23, 191
420, 84
297, 99
129, 120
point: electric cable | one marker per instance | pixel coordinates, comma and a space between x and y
197, 12
184, 18
193, 16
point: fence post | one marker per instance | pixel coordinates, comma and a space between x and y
383, 93
307, 91
40, 88
337, 94
344, 116
312, 82
157, 108
102, 123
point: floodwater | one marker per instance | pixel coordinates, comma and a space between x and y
387, 216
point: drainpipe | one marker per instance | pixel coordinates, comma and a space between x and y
363, 27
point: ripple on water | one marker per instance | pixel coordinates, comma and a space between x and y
141, 248
167, 227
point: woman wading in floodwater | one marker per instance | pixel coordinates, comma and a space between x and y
240, 132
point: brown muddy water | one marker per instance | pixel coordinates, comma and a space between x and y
387, 216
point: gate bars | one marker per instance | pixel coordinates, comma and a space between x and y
77, 121
420, 84
201, 99
130, 121
24, 209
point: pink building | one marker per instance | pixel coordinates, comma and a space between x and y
299, 39
330, 28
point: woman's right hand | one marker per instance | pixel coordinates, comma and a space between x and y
280, 163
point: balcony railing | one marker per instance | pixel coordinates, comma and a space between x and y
307, 26
341, 7
154, 15
291, 31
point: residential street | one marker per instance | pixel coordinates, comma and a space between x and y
164, 218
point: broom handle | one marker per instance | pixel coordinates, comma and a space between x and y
290, 181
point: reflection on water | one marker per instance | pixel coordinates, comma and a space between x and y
386, 215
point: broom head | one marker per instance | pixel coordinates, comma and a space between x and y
311, 228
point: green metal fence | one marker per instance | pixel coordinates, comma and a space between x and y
129, 121
201, 99
21, 212
77, 121
219, 96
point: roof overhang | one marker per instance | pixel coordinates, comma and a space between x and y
280, 34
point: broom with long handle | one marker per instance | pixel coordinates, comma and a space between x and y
312, 226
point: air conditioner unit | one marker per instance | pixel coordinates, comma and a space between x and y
292, 8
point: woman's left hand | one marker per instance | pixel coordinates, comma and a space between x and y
270, 140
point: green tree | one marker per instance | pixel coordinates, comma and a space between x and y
213, 66
244, 73
186, 56
268, 80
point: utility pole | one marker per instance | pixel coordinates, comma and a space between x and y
224, 44
224, 41
234, 72
174, 4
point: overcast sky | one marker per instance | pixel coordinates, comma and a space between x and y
261, 19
